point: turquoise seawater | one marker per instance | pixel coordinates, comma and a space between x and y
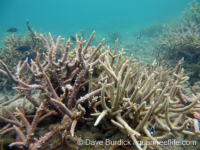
67, 17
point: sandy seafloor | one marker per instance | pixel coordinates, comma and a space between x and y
141, 48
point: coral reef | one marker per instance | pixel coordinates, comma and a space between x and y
130, 97
150, 31
113, 36
139, 91
18, 49
182, 40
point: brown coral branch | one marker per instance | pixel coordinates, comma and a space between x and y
17, 123
11, 77
54, 106
64, 108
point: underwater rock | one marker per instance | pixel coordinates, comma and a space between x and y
12, 30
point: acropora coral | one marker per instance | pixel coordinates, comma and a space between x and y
133, 98
182, 40
17, 48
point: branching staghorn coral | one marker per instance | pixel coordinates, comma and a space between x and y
16, 48
59, 71
141, 98
182, 40
134, 98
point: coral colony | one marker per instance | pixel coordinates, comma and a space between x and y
131, 97
94, 84
182, 40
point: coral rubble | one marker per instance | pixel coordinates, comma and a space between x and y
131, 97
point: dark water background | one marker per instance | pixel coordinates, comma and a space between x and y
66, 17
